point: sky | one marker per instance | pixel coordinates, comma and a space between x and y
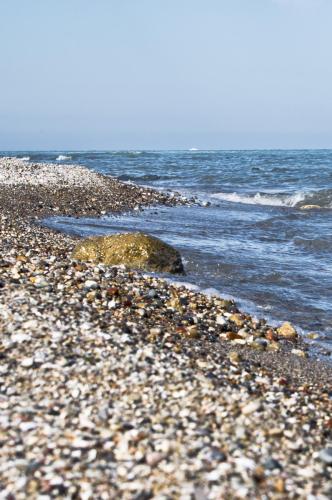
165, 74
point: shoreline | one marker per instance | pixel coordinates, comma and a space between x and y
126, 334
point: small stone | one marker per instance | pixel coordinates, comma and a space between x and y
271, 464
40, 282
325, 455
90, 285
27, 426
273, 346
287, 331
271, 336
233, 336
252, 407
259, 344
299, 352
27, 362
154, 458
310, 207
155, 331
243, 333
237, 319
220, 320
112, 291
80, 443
192, 332
234, 357
313, 336
279, 485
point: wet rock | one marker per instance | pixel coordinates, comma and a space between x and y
237, 319
309, 207
136, 250
287, 331
313, 336
273, 346
300, 353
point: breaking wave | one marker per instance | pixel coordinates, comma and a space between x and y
320, 199
63, 158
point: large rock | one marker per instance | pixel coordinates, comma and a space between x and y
135, 250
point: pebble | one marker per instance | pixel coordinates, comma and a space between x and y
220, 320
271, 464
27, 362
98, 402
287, 331
90, 284
153, 459
252, 407
234, 357
326, 455
299, 352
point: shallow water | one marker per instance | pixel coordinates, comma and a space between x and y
253, 242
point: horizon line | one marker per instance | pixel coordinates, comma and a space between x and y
193, 150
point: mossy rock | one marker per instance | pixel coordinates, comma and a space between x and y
135, 250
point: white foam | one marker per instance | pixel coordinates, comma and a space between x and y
193, 149
63, 158
25, 158
277, 200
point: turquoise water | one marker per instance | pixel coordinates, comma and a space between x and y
252, 242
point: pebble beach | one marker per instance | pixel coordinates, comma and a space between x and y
115, 384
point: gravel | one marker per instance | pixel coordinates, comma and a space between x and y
100, 400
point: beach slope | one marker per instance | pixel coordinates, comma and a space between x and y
118, 385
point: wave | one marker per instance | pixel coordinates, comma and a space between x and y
299, 199
63, 158
25, 158
146, 177
129, 154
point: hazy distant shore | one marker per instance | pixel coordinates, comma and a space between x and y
144, 380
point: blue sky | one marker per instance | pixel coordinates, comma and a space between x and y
110, 74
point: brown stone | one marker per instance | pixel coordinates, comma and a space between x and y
237, 319
136, 250
287, 331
